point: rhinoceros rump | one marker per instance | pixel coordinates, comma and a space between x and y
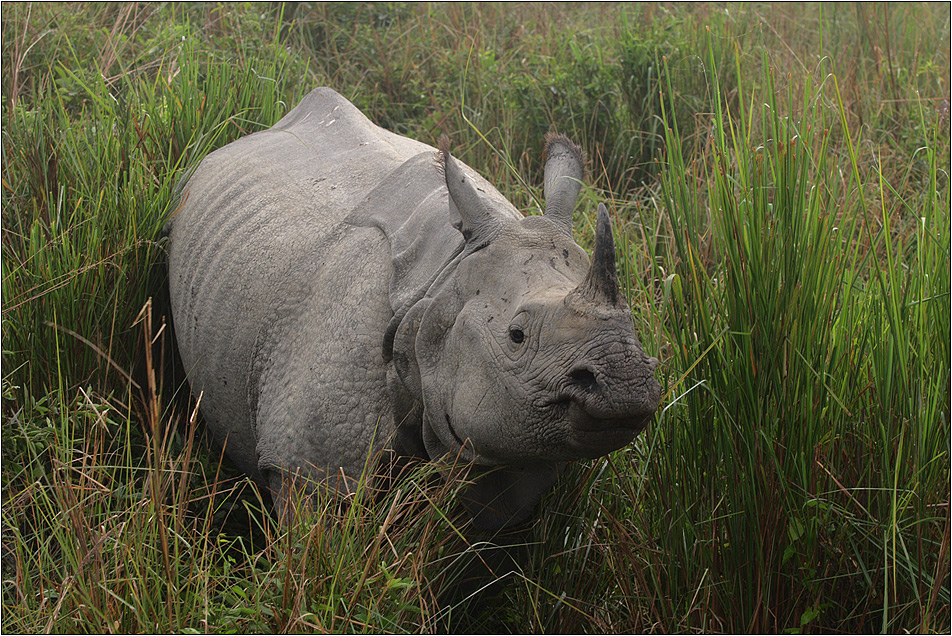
338, 290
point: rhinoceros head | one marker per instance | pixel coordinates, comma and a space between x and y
527, 355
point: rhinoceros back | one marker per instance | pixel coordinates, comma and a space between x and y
260, 220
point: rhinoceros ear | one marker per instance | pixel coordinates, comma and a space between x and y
476, 221
564, 169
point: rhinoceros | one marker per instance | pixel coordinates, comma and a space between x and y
338, 290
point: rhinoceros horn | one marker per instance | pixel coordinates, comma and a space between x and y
478, 224
564, 169
601, 283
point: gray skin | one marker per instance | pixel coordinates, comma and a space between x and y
338, 290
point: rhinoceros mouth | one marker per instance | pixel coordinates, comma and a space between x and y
585, 419
449, 427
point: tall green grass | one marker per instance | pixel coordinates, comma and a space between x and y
112, 537
780, 184
814, 453
89, 174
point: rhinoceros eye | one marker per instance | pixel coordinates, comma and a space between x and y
516, 335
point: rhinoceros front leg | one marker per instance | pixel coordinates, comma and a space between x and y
323, 410
293, 492
306, 453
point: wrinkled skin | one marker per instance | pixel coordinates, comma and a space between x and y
338, 290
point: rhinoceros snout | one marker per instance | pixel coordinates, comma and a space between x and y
600, 403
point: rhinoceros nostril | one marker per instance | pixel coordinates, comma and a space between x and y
584, 378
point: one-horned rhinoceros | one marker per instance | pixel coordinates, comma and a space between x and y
338, 290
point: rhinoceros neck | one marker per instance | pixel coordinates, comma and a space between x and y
401, 312
410, 207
